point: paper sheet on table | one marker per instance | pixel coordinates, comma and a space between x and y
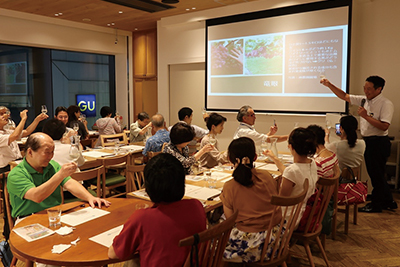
189, 188
141, 194
83, 215
132, 148
96, 154
269, 167
194, 178
258, 164
202, 193
33, 232
106, 238
220, 175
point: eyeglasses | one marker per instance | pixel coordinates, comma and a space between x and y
251, 115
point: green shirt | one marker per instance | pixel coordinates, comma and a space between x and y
22, 178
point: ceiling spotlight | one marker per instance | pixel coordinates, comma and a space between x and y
170, 1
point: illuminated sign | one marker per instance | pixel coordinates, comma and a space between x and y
87, 104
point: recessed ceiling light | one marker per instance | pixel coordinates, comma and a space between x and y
120, 12
60, 13
136, 29
108, 24
193, 8
56, 15
187, 9
112, 23
86, 19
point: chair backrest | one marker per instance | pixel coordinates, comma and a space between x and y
347, 175
152, 154
109, 161
134, 176
120, 136
212, 243
325, 190
8, 204
98, 173
290, 208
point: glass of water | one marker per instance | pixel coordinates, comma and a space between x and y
54, 217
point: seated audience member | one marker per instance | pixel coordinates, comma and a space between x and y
34, 184
61, 114
74, 114
160, 135
9, 150
215, 125
185, 115
249, 193
181, 134
247, 118
327, 163
302, 146
140, 129
349, 150
155, 232
107, 125
56, 129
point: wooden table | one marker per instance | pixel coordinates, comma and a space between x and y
86, 252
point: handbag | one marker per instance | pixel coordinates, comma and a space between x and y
351, 191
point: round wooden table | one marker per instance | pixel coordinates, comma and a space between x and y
86, 252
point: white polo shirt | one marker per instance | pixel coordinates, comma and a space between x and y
247, 130
379, 108
8, 152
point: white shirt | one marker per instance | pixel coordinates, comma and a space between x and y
61, 154
199, 132
348, 156
379, 108
247, 130
8, 152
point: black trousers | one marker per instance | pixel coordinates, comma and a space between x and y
376, 154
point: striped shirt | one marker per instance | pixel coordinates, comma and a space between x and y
325, 166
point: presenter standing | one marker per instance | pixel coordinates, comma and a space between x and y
376, 113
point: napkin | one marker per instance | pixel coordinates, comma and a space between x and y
58, 249
65, 230
75, 241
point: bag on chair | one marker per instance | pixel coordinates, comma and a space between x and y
5, 253
351, 191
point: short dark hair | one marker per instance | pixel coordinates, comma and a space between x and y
237, 150
350, 125
377, 81
319, 133
33, 142
214, 119
183, 112
164, 178
59, 109
181, 132
54, 128
303, 141
71, 110
105, 111
143, 115
243, 111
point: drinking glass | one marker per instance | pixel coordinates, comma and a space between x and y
295, 125
54, 215
116, 147
44, 109
74, 152
83, 117
75, 126
203, 111
328, 124
212, 139
322, 75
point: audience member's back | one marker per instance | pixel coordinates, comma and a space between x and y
155, 232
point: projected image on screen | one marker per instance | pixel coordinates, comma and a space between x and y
279, 68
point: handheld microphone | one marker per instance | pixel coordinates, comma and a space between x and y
363, 102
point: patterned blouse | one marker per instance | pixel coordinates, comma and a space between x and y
186, 160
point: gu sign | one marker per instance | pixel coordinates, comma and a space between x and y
87, 104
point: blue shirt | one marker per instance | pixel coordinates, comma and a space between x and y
155, 143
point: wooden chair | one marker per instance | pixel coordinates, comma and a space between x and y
135, 177
347, 176
212, 243
11, 223
326, 188
290, 209
152, 154
113, 180
98, 174
120, 136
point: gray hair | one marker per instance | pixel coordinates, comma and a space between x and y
157, 120
243, 111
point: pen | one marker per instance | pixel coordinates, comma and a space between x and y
214, 196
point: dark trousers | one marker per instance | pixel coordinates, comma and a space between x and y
376, 154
